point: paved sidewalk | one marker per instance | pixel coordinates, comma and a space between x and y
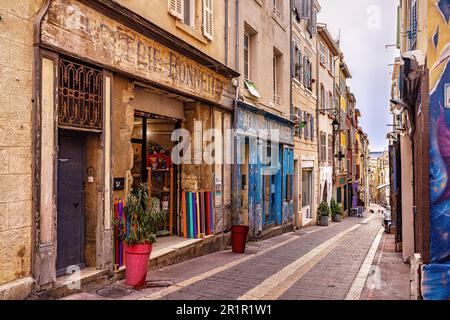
390, 276
313, 263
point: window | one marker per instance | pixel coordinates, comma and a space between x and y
312, 23
330, 149
330, 101
307, 72
307, 127
413, 24
274, 74
189, 13
298, 64
323, 147
322, 97
276, 68
300, 124
330, 62
246, 56
322, 53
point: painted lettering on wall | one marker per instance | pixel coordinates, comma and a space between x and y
78, 29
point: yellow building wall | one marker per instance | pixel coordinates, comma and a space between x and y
157, 11
16, 62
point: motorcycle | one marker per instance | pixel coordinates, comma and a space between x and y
387, 220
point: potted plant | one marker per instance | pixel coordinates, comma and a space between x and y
143, 218
323, 212
239, 233
336, 211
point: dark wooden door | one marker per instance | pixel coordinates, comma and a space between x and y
70, 223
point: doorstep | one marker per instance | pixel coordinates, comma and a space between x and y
276, 231
174, 249
16, 290
62, 285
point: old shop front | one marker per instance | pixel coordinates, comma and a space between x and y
109, 94
265, 171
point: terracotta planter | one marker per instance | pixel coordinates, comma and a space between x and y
239, 238
323, 221
137, 257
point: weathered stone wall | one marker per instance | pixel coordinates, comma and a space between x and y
122, 124
16, 62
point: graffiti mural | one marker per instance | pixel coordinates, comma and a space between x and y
436, 278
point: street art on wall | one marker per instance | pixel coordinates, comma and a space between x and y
436, 277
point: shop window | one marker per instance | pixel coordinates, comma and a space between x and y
222, 167
152, 147
307, 188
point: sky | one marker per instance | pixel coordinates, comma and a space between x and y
366, 27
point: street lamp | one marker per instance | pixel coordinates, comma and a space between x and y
335, 125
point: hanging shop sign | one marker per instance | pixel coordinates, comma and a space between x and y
80, 30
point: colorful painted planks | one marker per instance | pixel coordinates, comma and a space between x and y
197, 210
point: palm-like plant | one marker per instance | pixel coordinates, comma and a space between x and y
143, 217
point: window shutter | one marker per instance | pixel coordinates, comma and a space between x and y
176, 8
413, 24
307, 5
312, 127
208, 19
300, 119
293, 46
314, 22
305, 70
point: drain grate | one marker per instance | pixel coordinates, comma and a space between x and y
113, 292
159, 283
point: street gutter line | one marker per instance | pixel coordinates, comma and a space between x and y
176, 287
169, 290
361, 278
274, 286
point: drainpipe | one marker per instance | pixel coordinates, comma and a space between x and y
226, 32
236, 193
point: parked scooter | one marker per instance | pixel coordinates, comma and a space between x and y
387, 220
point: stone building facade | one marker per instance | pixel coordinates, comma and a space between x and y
106, 94
259, 49
328, 54
16, 178
304, 101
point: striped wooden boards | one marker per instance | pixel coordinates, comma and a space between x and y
197, 210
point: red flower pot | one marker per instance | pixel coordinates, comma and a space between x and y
239, 238
137, 257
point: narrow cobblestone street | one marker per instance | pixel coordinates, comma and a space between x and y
319, 263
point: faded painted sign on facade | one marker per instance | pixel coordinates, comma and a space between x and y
78, 29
